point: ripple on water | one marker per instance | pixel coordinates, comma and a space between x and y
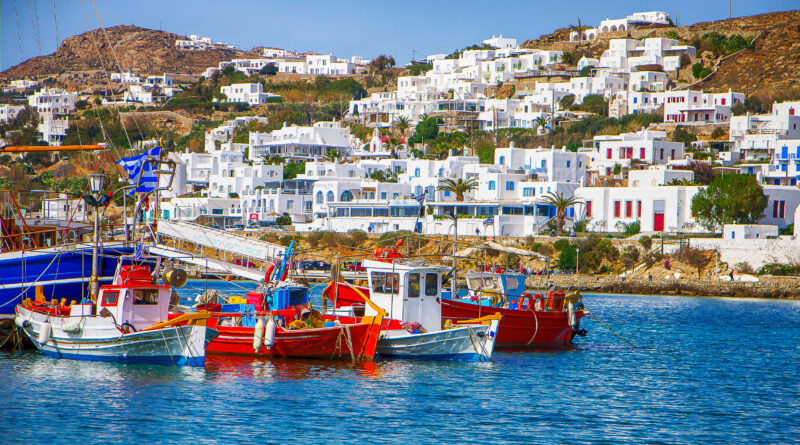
703, 370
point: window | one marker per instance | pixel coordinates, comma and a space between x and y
502, 160
346, 196
416, 172
641, 153
608, 154
330, 196
110, 297
145, 296
491, 185
413, 285
568, 164
431, 285
616, 209
385, 282
383, 195
289, 204
319, 198
529, 191
509, 185
628, 209
588, 209
639, 209
778, 209
661, 154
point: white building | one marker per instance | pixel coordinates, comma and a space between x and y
9, 112
633, 21
501, 42
698, 106
251, 93
644, 147
53, 105
302, 143
627, 54
126, 78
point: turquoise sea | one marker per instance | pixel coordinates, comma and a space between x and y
704, 370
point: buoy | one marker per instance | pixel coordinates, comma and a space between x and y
71, 328
258, 335
227, 278
44, 333
19, 320
269, 333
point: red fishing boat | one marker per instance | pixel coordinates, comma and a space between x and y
529, 320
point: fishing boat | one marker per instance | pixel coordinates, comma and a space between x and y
46, 255
410, 291
128, 323
277, 320
551, 319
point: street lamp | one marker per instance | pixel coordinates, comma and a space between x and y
577, 261
96, 185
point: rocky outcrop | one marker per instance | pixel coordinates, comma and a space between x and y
138, 50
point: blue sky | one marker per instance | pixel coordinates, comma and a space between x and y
344, 28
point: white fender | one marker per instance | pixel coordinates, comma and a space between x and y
71, 328
258, 335
269, 333
44, 333
19, 320
571, 314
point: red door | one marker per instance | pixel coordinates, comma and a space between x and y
658, 222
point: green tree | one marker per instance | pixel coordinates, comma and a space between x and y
292, 169
283, 220
567, 257
269, 69
561, 204
586, 71
646, 242
729, 199
566, 101
594, 103
458, 186
630, 255
426, 130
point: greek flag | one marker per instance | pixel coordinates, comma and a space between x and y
488, 221
139, 251
136, 165
420, 198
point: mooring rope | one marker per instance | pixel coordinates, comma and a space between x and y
609, 328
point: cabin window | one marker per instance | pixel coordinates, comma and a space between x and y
145, 296
512, 282
431, 285
110, 298
413, 285
385, 283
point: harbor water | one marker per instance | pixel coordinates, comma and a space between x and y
703, 370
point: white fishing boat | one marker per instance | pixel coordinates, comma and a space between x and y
410, 291
128, 323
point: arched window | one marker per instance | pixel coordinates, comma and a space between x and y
319, 198
329, 198
346, 196
492, 185
502, 160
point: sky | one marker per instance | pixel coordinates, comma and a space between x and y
343, 27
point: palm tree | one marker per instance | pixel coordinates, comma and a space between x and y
402, 124
458, 186
540, 121
332, 155
561, 204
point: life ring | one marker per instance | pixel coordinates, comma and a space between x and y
268, 275
523, 297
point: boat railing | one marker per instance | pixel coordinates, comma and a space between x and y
504, 297
31, 239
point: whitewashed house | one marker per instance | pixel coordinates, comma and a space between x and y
250, 93
9, 112
302, 143
698, 106
53, 105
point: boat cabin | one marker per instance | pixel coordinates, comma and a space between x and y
491, 288
134, 299
407, 292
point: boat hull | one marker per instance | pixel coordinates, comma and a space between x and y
353, 341
519, 328
100, 341
473, 343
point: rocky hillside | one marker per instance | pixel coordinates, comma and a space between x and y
773, 64
139, 50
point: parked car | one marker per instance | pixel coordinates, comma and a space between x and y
243, 262
234, 227
313, 265
353, 266
253, 228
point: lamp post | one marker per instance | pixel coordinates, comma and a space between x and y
96, 184
577, 261
454, 218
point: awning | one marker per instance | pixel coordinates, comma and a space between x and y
491, 245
